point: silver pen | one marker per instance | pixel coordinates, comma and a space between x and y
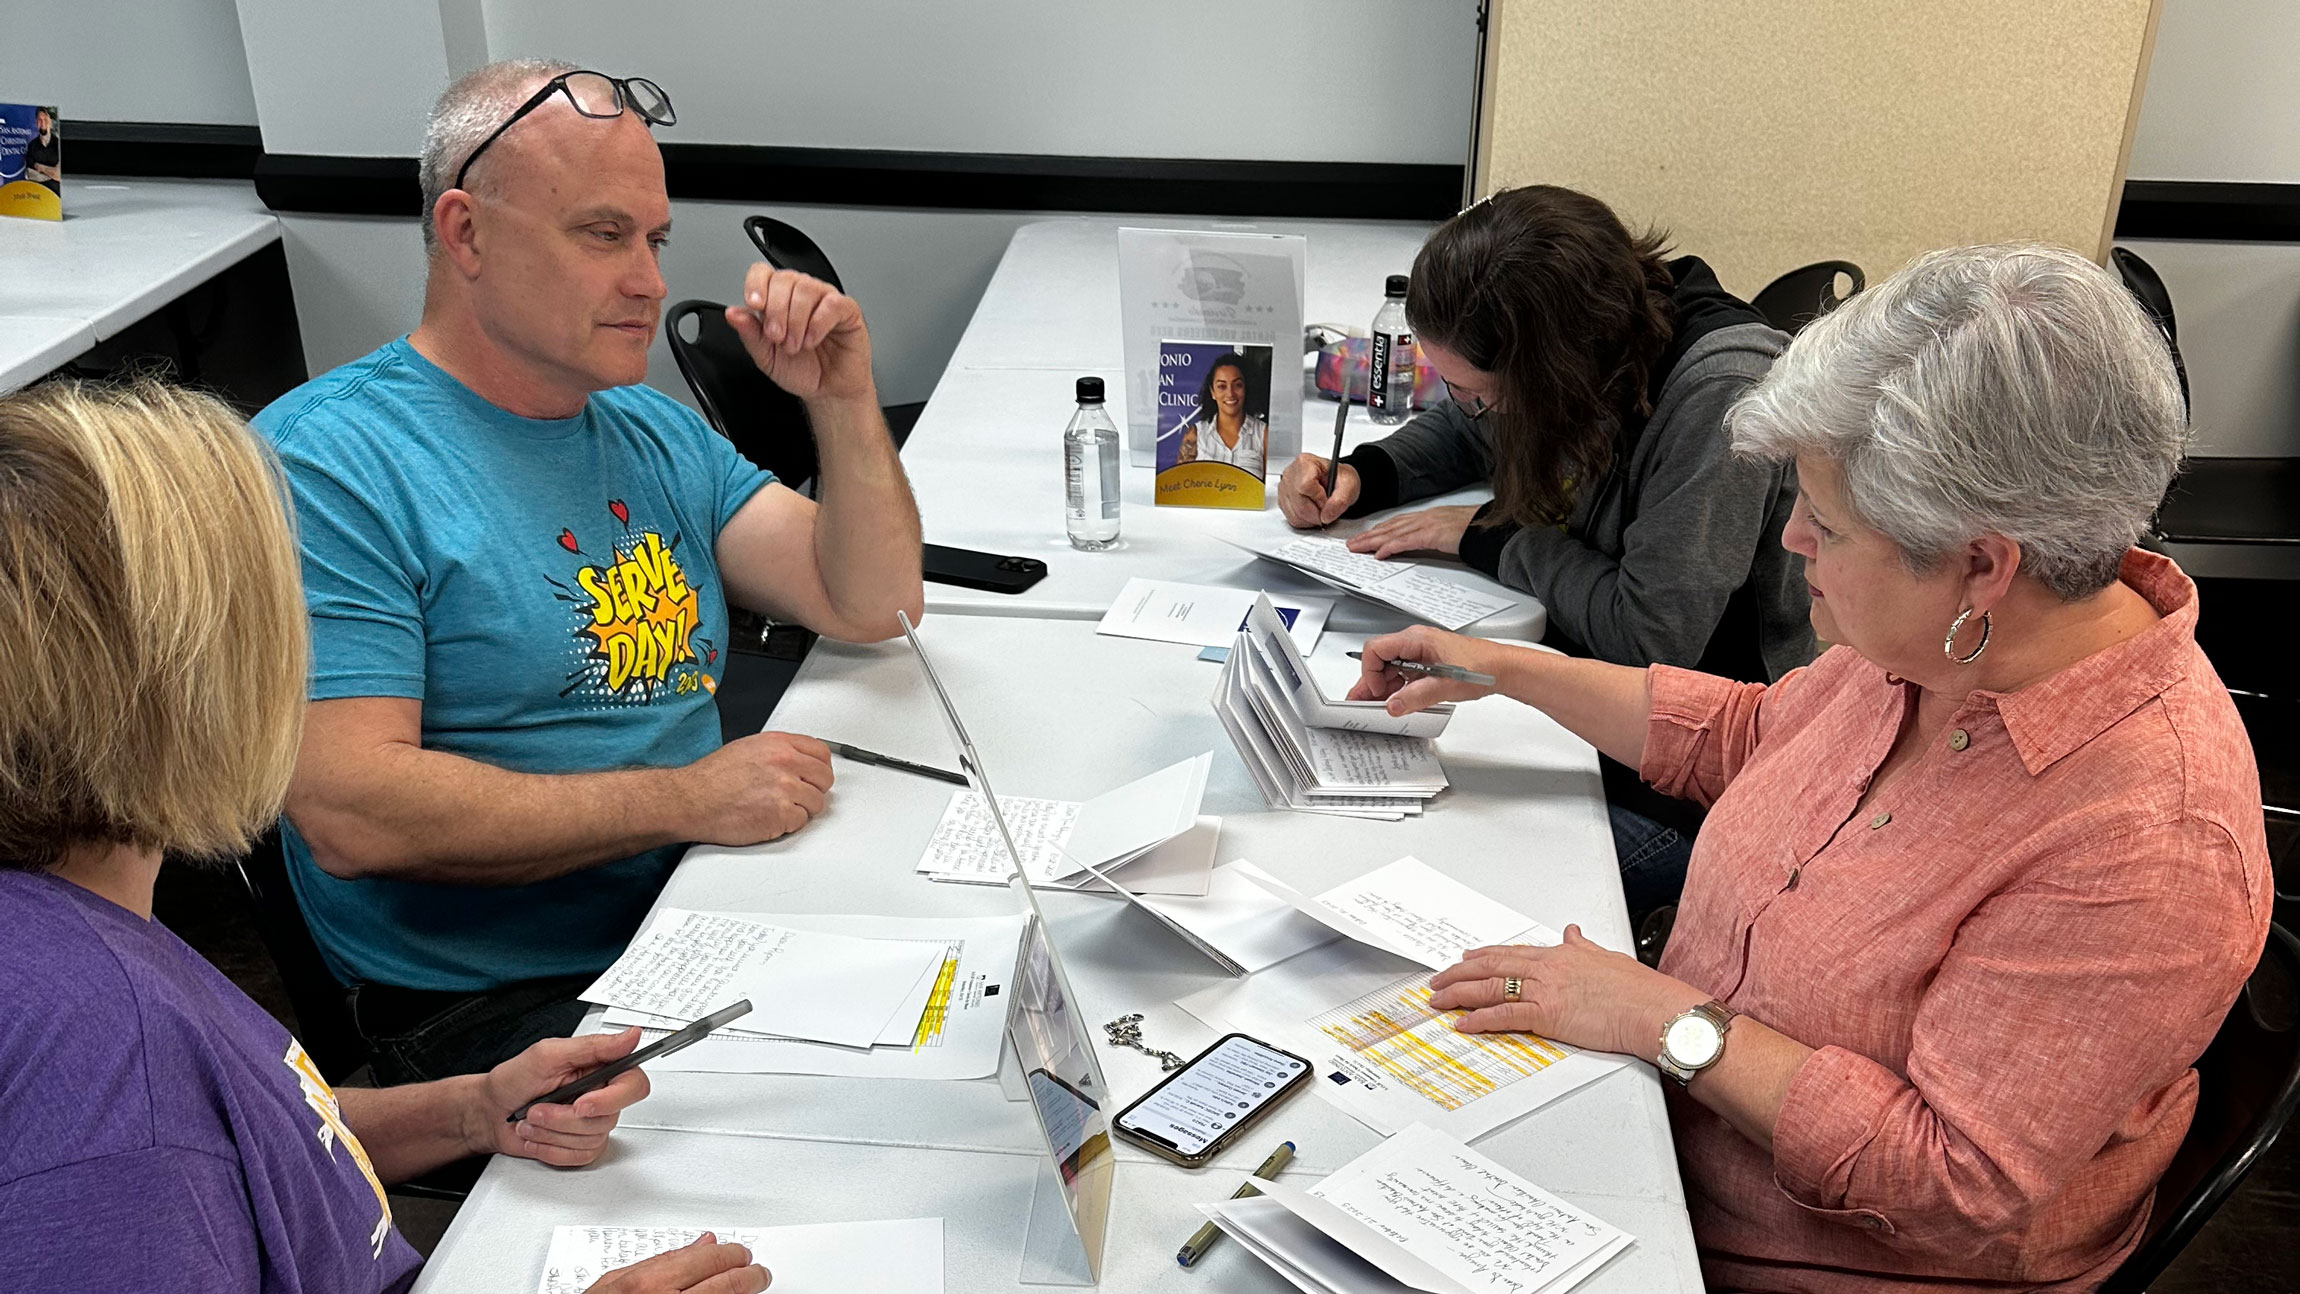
1428, 670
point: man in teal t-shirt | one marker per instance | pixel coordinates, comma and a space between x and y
518, 563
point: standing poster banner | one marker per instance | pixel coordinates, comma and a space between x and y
1238, 289
31, 162
1213, 424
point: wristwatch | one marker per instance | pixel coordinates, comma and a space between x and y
1693, 1041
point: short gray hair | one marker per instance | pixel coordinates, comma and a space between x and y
2014, 390
464, 115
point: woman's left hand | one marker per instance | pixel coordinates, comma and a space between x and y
1431, 530
567, 1136
1575, 993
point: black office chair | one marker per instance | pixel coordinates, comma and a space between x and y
2250, 1087
2146, 285
767, 424
323, 1019
787, 248
1805, 294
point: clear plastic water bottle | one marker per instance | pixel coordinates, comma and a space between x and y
1390, 368
1090, 471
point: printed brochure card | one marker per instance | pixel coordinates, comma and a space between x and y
31, 162
1243, 289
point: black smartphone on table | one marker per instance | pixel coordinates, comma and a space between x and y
1202, 1107
608, 1072
989, 572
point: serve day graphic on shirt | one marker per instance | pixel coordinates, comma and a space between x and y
638, 618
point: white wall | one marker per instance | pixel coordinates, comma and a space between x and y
2223, 97
1189, 78
2223, 103
347, 78
109, 60
1300, 80
359, 280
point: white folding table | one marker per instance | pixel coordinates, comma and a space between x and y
1060, 711
125, 248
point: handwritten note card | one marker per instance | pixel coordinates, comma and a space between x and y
900, 1257
966, 845
1468, 1217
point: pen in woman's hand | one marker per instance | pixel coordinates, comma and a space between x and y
1429, 670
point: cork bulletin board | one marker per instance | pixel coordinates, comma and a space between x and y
1768, 134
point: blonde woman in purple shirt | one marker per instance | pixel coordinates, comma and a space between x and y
162, 1131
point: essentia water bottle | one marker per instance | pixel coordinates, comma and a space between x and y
1090, 471
1390, 368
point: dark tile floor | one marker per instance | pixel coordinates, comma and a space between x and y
2247, 1247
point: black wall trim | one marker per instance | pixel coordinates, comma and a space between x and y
386, 186
339, 186
974, 181
1020, 182
158, 148
2268, 213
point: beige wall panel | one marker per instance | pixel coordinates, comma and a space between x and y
1767, 134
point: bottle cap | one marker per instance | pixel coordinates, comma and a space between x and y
1395, 286
1090, 390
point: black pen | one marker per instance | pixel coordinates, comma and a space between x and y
1341, 419
861, 756
1196, 1246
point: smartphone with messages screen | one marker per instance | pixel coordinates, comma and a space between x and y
1204, 1106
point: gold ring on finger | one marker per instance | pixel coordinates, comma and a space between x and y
1511, 987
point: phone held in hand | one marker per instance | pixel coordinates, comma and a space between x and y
1202, 1107
608, 1072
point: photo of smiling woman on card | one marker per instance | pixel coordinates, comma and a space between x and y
1224, 432
1213, 409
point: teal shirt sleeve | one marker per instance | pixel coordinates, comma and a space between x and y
719, 468
367, 635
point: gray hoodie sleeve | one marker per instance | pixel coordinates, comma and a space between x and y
1701, 510
1441, 449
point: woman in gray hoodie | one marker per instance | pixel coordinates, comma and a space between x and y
1589, 378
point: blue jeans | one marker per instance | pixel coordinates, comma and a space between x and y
1653, 859
414, 1036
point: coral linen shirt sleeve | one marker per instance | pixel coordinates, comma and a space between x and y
1702, 729
2059, 1007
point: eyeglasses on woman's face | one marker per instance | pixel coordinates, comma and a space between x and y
594, 94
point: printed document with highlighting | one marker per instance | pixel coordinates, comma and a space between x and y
1428, 1213
1205, 615
1390, 1058
1415, 590
901, 1257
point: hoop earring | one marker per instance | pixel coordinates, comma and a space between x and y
1949, 644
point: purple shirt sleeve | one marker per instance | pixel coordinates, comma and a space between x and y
160, 1218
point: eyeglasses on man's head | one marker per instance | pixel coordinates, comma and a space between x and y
594, 94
